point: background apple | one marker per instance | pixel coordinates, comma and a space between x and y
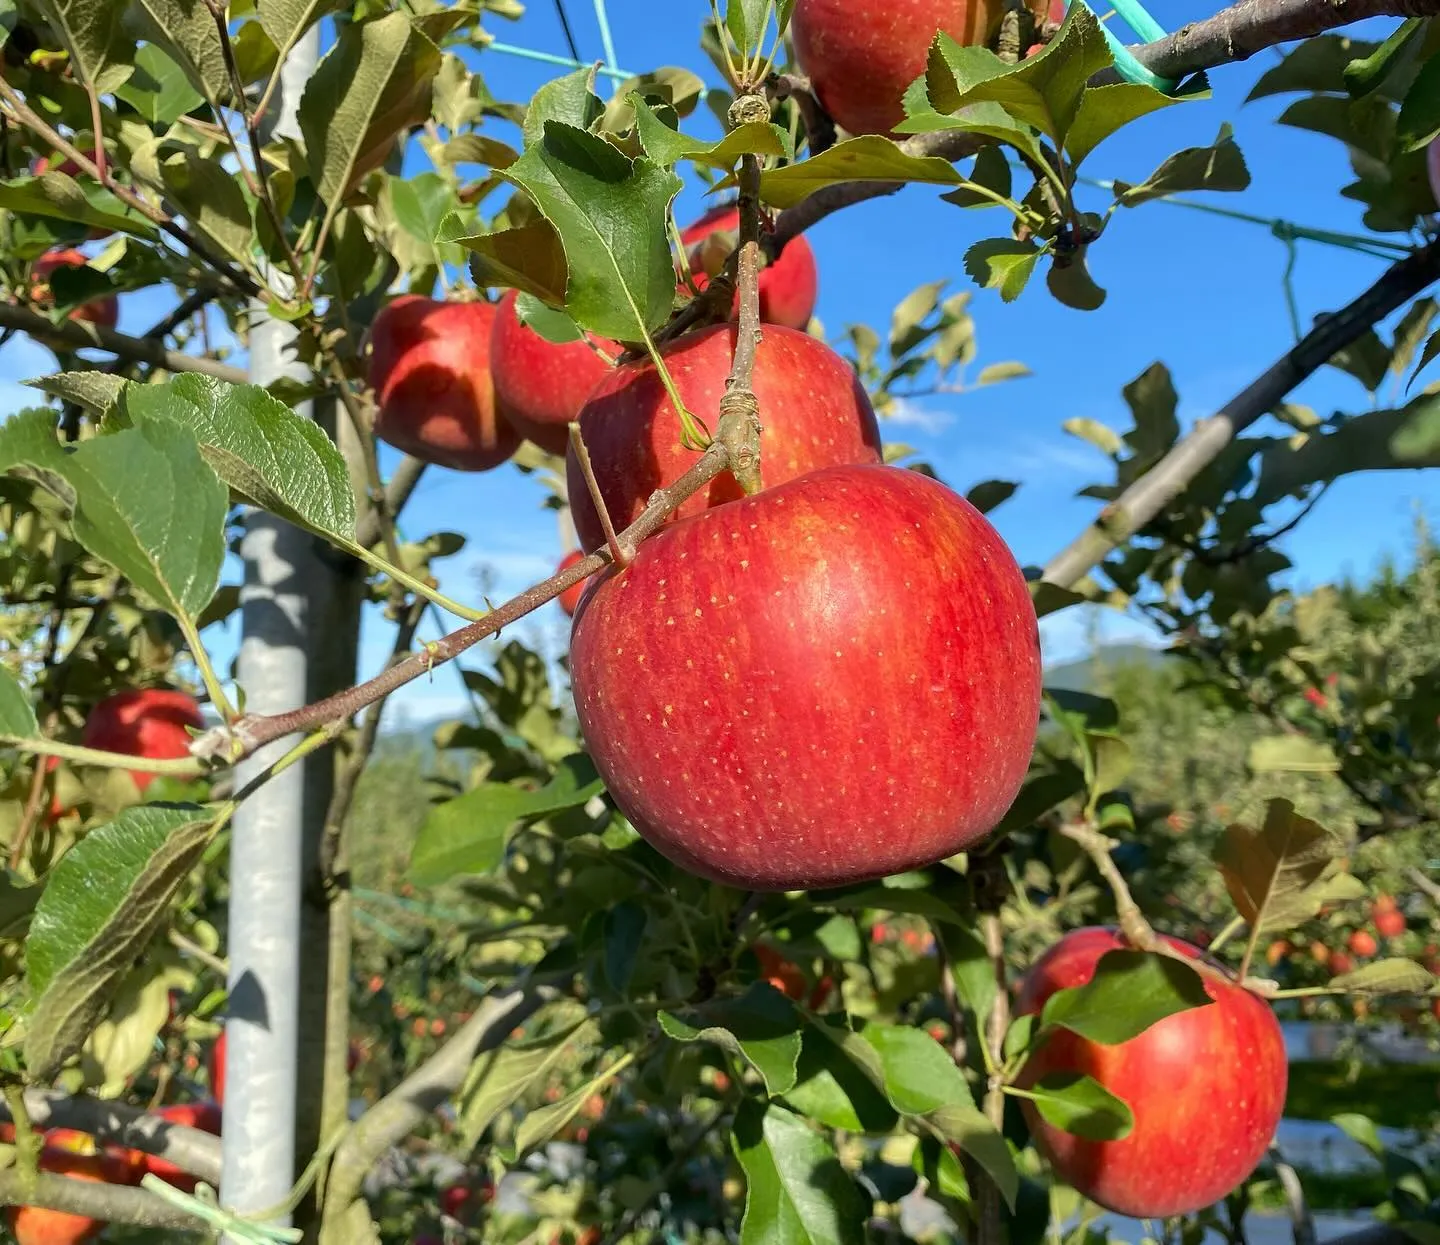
430, 369
541, 385
205, 1116
787, 287
143, 722
860, 55
570, 598
834, 680
34, 1225
1206, 1086
814, 410
1362, 943
102, 311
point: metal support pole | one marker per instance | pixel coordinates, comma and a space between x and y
267, 843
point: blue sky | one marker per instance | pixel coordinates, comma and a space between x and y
1200, 293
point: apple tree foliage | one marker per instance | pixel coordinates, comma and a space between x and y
763, 1068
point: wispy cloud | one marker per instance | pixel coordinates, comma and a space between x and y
907, 413
1070, 634
1056, 455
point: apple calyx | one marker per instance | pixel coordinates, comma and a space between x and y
747, 109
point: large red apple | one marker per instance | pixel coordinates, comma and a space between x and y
813, 408
541, 385
860, 55
143, 722
205, 1116
831, 681
1206, 1087
35, 1225
787, 287
102, 311
430, 369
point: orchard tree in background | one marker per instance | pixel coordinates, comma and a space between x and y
749, 927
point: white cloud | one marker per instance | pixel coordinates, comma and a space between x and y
1055, 455
907, 413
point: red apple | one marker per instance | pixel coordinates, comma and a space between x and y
217, 1068
834, 680
205, 1116
1363, 944
1390, 923
781, 973
430, 369
787, 287
814, 411
541, 385
1339, 964
34, 1225
861, 55
104, 311
570, 598
66, 165
1206, 1086
143, 722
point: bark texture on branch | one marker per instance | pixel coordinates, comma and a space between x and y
1150, 494
109, 1202
82, 334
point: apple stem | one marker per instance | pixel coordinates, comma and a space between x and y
1136, 929
620, 555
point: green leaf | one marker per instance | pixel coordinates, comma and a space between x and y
1039, 795
971, 1130
1298, 754
212, 201
1363, 74
159, 89
1410, 332
1418, 436
889, 899
17, 717
1269, 872
838, 1081
270, 456
553, 325
988, 494
761, 1024
1002, 264
152, 507
1130, 991
1103, 438
868, 158
796, 1192
286, 20
95, 391
666, 146
9, 16
1317, 64
920, 1075
186, 30
998, 373
371, 85
1019, 1035
529, 258
1080, 1105
971, 968
624, 932
101, 906
60, 196
1419, 119
541, 1124
94, 34
468, 834
609, 212
29, 447
421, 205
1389, 976
746, 21
1104, 110
1217, 167
570, 100
497, 1079
1361, 1130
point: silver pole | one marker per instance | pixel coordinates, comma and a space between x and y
267, 843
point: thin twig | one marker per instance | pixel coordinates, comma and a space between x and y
1149, 495
20, 111
620, 555
1137, 930
82, 333
397, 492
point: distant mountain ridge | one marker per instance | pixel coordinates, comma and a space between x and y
1079, 676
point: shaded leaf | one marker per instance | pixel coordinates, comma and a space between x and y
1365, 73
94, 34
1317, 64
1106, 109
541, 1124
1071, 283
988, 494
1130, 991
1419, 119
95, 391
624, 932
61, 197
796, 1192
17, 717
468, 834
186, 29
868, 158
761, 1024
1080, 1105
286, 20
889, 899
102, 904
159, 89
211, 198
1153, 402
528, 258
1268, 871
969, 1128
1217, 167
836, 1087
